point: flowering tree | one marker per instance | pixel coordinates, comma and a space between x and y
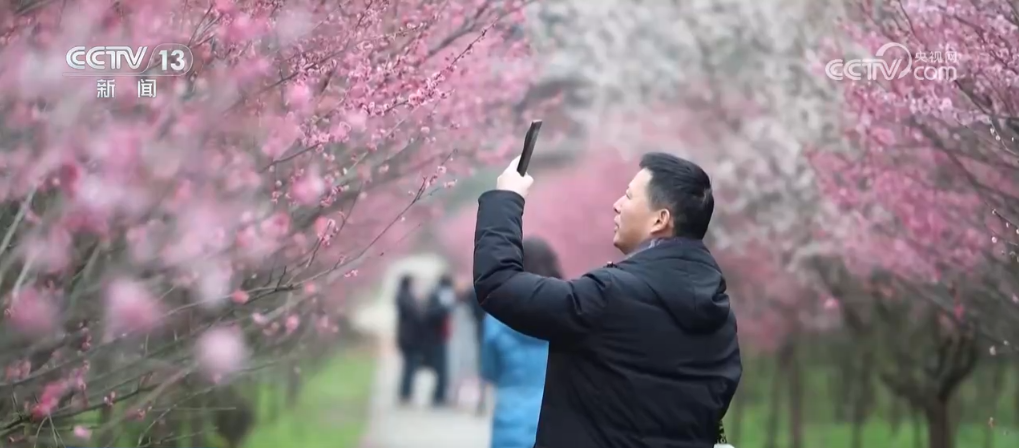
932, 174
153, 246
932, 163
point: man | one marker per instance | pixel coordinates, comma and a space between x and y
643, 353
409, 334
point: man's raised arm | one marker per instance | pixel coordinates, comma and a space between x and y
542, 307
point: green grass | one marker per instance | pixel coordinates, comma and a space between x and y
331, 411
875, 433
821, 429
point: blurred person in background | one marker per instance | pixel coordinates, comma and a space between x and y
436, 335
463, 352
471, 300
409, 335
642, 353
515, 364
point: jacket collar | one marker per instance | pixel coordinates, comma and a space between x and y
657, 242
668, 246
647, 245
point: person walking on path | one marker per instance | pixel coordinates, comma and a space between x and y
515, 364
642, 353
463, 353
436, 335
409, 335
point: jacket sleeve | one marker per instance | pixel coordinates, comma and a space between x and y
541, 307
490, 350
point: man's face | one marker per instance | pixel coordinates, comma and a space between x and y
636, 221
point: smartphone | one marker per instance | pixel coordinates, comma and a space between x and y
529, 140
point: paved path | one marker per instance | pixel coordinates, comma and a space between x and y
416, 426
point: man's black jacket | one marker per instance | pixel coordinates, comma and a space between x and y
642, 353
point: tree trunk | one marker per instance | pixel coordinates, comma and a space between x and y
958, 406
841, 387
794, 370
774, 406
234, 422
939, 425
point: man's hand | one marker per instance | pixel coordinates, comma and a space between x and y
510, 180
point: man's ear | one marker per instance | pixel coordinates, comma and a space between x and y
663, 220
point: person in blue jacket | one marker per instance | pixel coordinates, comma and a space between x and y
515, 364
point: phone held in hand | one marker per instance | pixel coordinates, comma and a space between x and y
529, 140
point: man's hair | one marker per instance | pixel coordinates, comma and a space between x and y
539, 258
684, 189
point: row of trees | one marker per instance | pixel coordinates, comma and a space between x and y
155, 250
875, 215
